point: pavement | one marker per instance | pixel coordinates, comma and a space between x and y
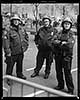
29, 63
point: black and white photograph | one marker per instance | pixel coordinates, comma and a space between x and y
40, 49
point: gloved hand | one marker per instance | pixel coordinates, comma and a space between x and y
64, 42
8, 59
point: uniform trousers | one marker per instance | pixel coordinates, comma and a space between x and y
63, 63
10, 61
41, 56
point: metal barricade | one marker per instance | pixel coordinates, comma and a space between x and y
6, 90
35, 86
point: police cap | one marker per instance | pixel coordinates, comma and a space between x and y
67, 19
15, 17
46, 17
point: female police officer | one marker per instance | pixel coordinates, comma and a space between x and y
43, 43
63, 46
15, 44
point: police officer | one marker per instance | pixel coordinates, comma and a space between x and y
15, 43
63, 47
43, 43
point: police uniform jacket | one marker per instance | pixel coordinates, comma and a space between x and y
67, 48
44, 38
15, 41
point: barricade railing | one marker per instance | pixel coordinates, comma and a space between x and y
6, 90
35, 86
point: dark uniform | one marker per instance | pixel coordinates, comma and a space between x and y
63, 58
15, 42
43, 40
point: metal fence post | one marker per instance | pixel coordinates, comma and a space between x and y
34, 92
21, 90
48, 94
11, 91
5, 89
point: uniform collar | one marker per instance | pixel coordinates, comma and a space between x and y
65, 31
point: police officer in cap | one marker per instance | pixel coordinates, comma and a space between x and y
63, 47
43, 43
15, 43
